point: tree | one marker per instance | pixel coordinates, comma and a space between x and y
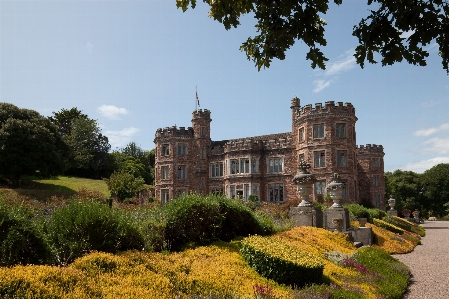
124, 184
89, 149
436, 189
405, 186
146, 158
29, 144
65, 119
281, 23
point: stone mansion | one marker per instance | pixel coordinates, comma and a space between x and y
187, 160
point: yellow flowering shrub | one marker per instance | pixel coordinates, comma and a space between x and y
390, 242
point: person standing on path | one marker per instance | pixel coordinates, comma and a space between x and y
429, 263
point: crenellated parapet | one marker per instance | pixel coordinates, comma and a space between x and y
201, 114
174, 132
329, 107
370, 149
266, 142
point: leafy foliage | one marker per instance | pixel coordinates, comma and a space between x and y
81, 227
124, 184
436, 189
29, 144
21, 241
405, 186
281, 23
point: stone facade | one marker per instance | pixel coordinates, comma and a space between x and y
187, 160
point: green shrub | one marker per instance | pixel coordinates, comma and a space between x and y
388, 270
388, 226
21, 240
200, 220
399, 222
357, 210
81, 227
375, 214
284, 263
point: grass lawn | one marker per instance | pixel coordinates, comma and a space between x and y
43, 189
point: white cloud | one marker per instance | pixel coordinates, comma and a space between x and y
111, 111
119, 139
346, 63
407, 34
436, 145
430, 131
320, 85
424, 165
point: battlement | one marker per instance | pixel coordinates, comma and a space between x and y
201, 114
274, 141
174, 132
370, 148
330, 107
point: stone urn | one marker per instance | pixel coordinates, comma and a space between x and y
305, 181
362, 221
406, 213
338, 224
391, 202
335, 190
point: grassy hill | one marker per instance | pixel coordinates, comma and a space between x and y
43, 189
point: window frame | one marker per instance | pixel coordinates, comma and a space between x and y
165, 172
216, 169
165, 149
319, 131
375, 164
275, 192
301, 136
165, 196
321, 162
275, 167
181, 172
338, 132
343, 163
182, 149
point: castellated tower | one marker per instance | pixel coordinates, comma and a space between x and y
182, 158
325, 138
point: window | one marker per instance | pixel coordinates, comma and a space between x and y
375, 162
340, 130
181, 192
236, 191
165, 195
376, 200
165, 172
301, 134
318, 131
182, 173
203, 131
254, 165
255, 189
276, 192
341, 158
203, 153
216, 169
182, 150
320, 188
275, 165
239, 166
165, 150
376, 181
319, 159
203, 182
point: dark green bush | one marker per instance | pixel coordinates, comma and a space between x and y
81, 227
202, 220
375, 214
21, 241
388, 270
357, 210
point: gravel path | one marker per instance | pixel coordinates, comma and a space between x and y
429, 263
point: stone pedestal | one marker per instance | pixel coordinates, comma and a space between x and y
306, 216
333, 213
392, 212
363, 235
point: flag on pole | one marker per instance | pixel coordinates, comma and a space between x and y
197, 100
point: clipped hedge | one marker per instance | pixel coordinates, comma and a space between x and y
284, 263
357, 210
406, 225
392, 228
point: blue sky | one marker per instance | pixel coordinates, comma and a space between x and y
134, 66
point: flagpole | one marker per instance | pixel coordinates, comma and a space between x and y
196, 99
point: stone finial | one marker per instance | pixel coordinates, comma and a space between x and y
304, 176
295, 102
